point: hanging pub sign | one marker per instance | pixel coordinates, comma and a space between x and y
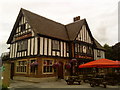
84, 57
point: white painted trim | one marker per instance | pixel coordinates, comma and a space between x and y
28, 50
43, 64
13, 50
41, 45
36, 45
49, 48
61, 48
10, 50
64, 49
32, 45
45, 46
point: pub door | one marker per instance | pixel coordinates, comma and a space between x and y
12, 71
60, 71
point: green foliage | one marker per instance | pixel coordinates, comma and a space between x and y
4, 87
108, 53
112, 52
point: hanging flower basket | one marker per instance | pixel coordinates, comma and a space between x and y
55, 65
73, 61
34, 63
67, 66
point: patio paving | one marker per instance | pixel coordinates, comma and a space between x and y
53, 84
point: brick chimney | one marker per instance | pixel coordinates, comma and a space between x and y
76, 18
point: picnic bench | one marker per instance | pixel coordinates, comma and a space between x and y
72, 79
87, 78
97, 81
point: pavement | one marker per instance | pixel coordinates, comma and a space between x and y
53, 84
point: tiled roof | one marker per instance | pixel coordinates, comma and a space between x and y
47, 27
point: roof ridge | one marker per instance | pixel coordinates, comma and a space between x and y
42, 16
75, 22
97, 43
67, 32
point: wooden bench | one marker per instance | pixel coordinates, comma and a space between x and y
72, 79
97, 82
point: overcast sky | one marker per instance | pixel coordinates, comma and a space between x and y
101, 15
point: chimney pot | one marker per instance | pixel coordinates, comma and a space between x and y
76, 18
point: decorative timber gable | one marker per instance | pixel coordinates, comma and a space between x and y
34, 35
23, 30
84, 35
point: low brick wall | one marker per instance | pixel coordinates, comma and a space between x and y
35, 80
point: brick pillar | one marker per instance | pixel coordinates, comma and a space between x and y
6, 74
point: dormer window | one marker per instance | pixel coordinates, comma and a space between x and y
55, 45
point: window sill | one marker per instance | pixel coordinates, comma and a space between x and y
21, 72
55, 50
48, 73
22, 50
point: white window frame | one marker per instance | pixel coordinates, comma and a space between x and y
43, 66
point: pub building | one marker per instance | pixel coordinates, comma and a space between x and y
40, 47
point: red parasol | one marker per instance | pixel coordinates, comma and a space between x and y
101, 63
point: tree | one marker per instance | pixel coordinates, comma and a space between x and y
108, 53
112, 52
116, 51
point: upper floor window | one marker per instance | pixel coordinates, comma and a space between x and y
67, 45
98, 53
76, 48
84, 49
23, 27
22, 45
55, 45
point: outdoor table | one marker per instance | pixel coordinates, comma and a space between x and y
87, 78
97, 81
72, 79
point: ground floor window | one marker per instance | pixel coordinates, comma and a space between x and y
33, 66
21, 66
47, 66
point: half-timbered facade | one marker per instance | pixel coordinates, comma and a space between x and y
36, 43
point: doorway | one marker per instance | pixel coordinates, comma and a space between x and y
12, 70
60, 71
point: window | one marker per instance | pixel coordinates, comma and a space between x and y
84, 49
90, 50
21, 66
47, 66
98, 53
22, 45
33, 68
55, 45
76, 48
81, 49
67, 45
23, 26
79, 37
